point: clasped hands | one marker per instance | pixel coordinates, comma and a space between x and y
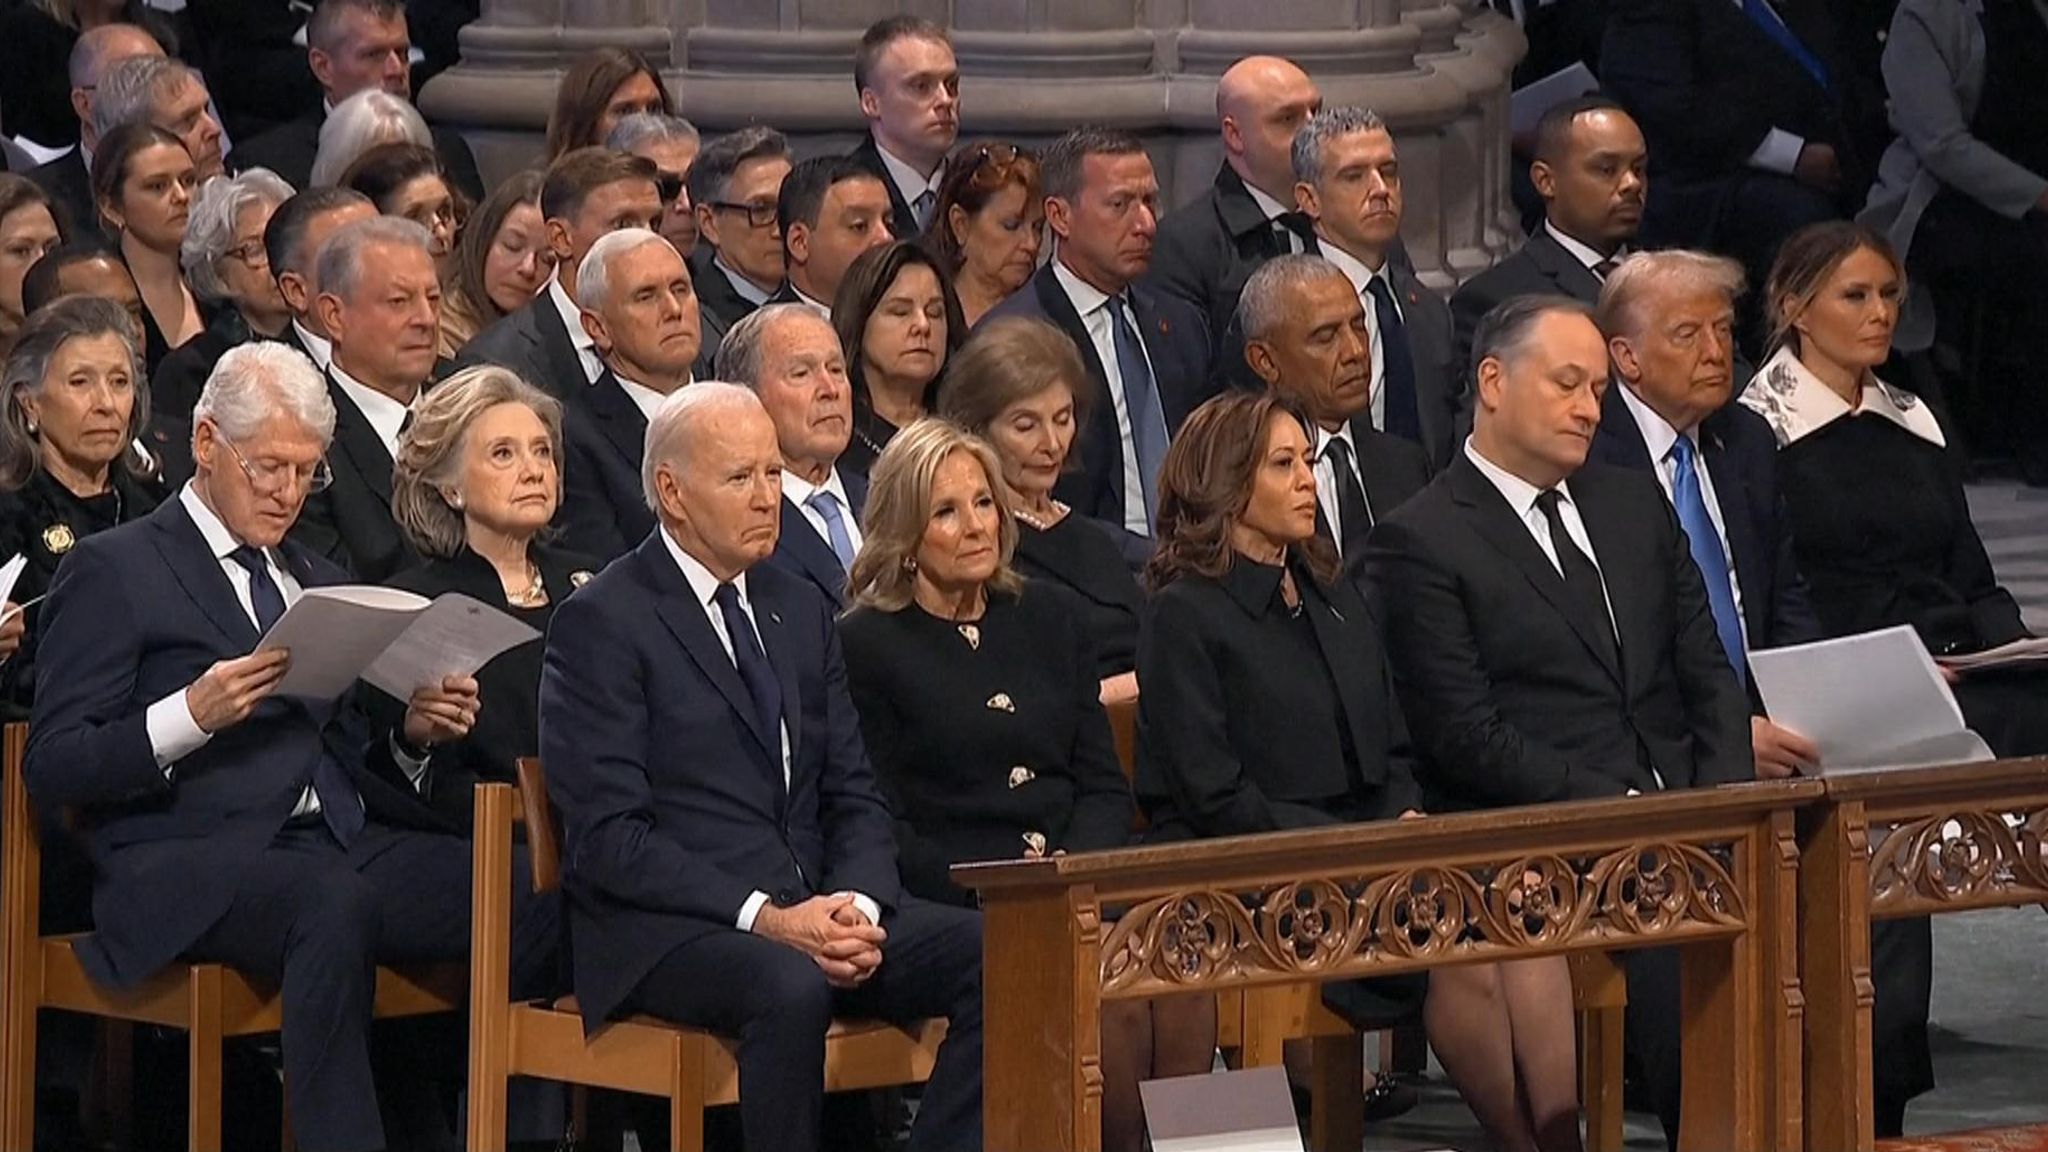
831, 930
226, 694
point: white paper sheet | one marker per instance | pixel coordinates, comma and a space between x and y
2003, 656
1870, 702
334, 633
10, 575
454, 637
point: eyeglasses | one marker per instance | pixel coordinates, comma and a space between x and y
252, 254
758, 215
269, 477
670, 185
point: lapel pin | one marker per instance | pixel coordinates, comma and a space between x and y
58, 538
1001, 702
1020, 776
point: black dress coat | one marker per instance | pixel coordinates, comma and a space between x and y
1205, 251
534, 343
1082, 556
604, 505
902, 218
1541, 266
290, 149
350, 523
1440, 383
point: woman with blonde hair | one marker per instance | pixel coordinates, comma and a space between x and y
977, 695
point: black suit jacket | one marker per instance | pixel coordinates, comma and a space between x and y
902, 219
1393, 471
604, 505
1540, 267
720, 304
290, 148
1440, 385
534, 343
1176, 339
1742, 457
137, 613
673, 805
1511, 697
350, 522
801, 552
69, 186
1205, 251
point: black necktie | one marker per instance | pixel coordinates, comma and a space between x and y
339, 804
1352, 509
1605, 268
1397, 364
1581, 577
755, 670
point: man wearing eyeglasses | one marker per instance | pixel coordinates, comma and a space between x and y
735, 187
227, 824
671, 143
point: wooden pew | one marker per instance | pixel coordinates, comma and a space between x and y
1709, 872
693, 1070
208, 1002
1889, 845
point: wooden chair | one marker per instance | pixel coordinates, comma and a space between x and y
693, 1070
208, 1002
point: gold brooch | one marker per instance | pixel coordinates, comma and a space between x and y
58, 539
1035, 842
972, 634
579, 578
1020, 776
1001, 702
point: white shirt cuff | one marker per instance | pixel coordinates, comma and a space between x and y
1778, 153
868, 908
415, 769
173, 734
751, 909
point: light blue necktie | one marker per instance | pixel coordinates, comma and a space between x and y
1706, 552
1141, 401
826, 505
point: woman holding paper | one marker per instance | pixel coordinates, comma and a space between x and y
477, 479
75, 402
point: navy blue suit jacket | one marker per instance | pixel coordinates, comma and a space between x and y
1176, 338
1742, 458
135, 614
801, 552
672, 799
604, 506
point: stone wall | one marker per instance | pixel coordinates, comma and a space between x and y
1436, 70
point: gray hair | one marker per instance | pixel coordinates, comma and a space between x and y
257, 381
668, 430
1323, 127
645, 127
430, 453
711, 176
360, 123
131, 90
1629, 295
1506, 332
340, 263
46, 331
89, 56
1262, 305
210, 232
593, 276
739, 354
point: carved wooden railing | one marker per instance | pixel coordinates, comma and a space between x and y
1712, 873
1889, 845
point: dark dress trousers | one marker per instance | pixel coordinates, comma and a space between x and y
534, 343
1205, 251
802, 553
1176, 341
902, 218
675, 809
1081, 556
205, 861
1540, 267
1512, 696
1440, 383
604, 505
981, 746
290, 149
350, 523
69, 186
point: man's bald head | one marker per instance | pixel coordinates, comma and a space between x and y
98, 50
1261, 101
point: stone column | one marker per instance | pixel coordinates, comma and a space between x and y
1436, 70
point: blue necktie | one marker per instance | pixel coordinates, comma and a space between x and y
1761, 14
755, 670
339, 804
826, 505
1705, 542
1141, 401
1397, 364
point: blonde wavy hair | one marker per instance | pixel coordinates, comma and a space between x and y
430, 452
899, 507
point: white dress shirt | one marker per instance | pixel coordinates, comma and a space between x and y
814, 304
1274, 210
1521, 496
1361, 279
1088, 302
910, 185
1583, 253
800, 491
319, 348
1659, 436
749, 291
572, 319
386, 416
1326, 479
704, 586
646, 399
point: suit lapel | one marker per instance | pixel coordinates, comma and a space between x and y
811, 554
1618, 440
359, 444
1746, 552
1350, 672
1615, 550
1177, 395
690, 623
856, 487
619, 418
1382, 484
1561, 268
776, 642
557, 350
199, 573
1101, 446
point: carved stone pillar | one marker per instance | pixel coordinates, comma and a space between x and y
1436, 70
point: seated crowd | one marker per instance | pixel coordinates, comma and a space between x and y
850, 519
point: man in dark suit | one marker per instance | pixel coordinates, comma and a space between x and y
1306, 336
381, 301
909, 91
640, 312
1147, 353
588, 192
1208, 247
735, 188
67, 179
228, 824
791, 358
292, 242
1745, 107
255, 53
353, 46
1669, 318
730, 864
1348, 180
1590, 169
830, 211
